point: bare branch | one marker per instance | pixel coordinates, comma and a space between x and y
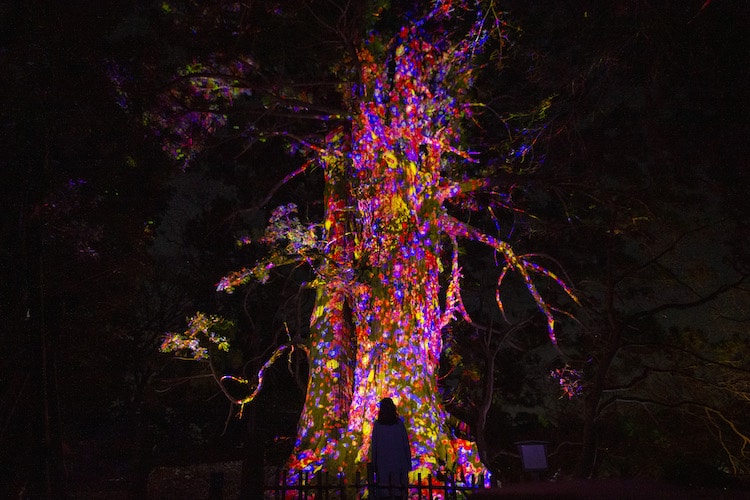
689, 304
514, 262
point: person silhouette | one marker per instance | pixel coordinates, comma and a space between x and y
390, 452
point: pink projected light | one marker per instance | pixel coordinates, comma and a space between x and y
376, 328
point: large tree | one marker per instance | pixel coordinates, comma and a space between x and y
389, 138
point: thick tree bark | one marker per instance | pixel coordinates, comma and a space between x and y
486, 403
383, 219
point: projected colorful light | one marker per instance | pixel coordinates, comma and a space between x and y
376, 329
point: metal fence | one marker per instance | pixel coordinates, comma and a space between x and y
325, 486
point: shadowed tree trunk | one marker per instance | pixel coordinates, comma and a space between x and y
252, 480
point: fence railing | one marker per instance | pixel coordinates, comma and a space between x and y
327, 486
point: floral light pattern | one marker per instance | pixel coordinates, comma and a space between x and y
379, 316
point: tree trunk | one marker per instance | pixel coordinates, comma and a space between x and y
143, 459
383, 221
252, 480
48, 473
486, 403
611, 337
587, 459
592, 399
397, 345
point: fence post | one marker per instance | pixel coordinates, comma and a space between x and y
282, 490
367, 483
450, 486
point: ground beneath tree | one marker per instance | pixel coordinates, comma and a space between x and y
170, 483
195, 481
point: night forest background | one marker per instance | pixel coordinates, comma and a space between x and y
622, 127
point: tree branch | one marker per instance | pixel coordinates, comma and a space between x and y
687, 305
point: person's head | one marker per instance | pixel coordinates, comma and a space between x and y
387, 413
